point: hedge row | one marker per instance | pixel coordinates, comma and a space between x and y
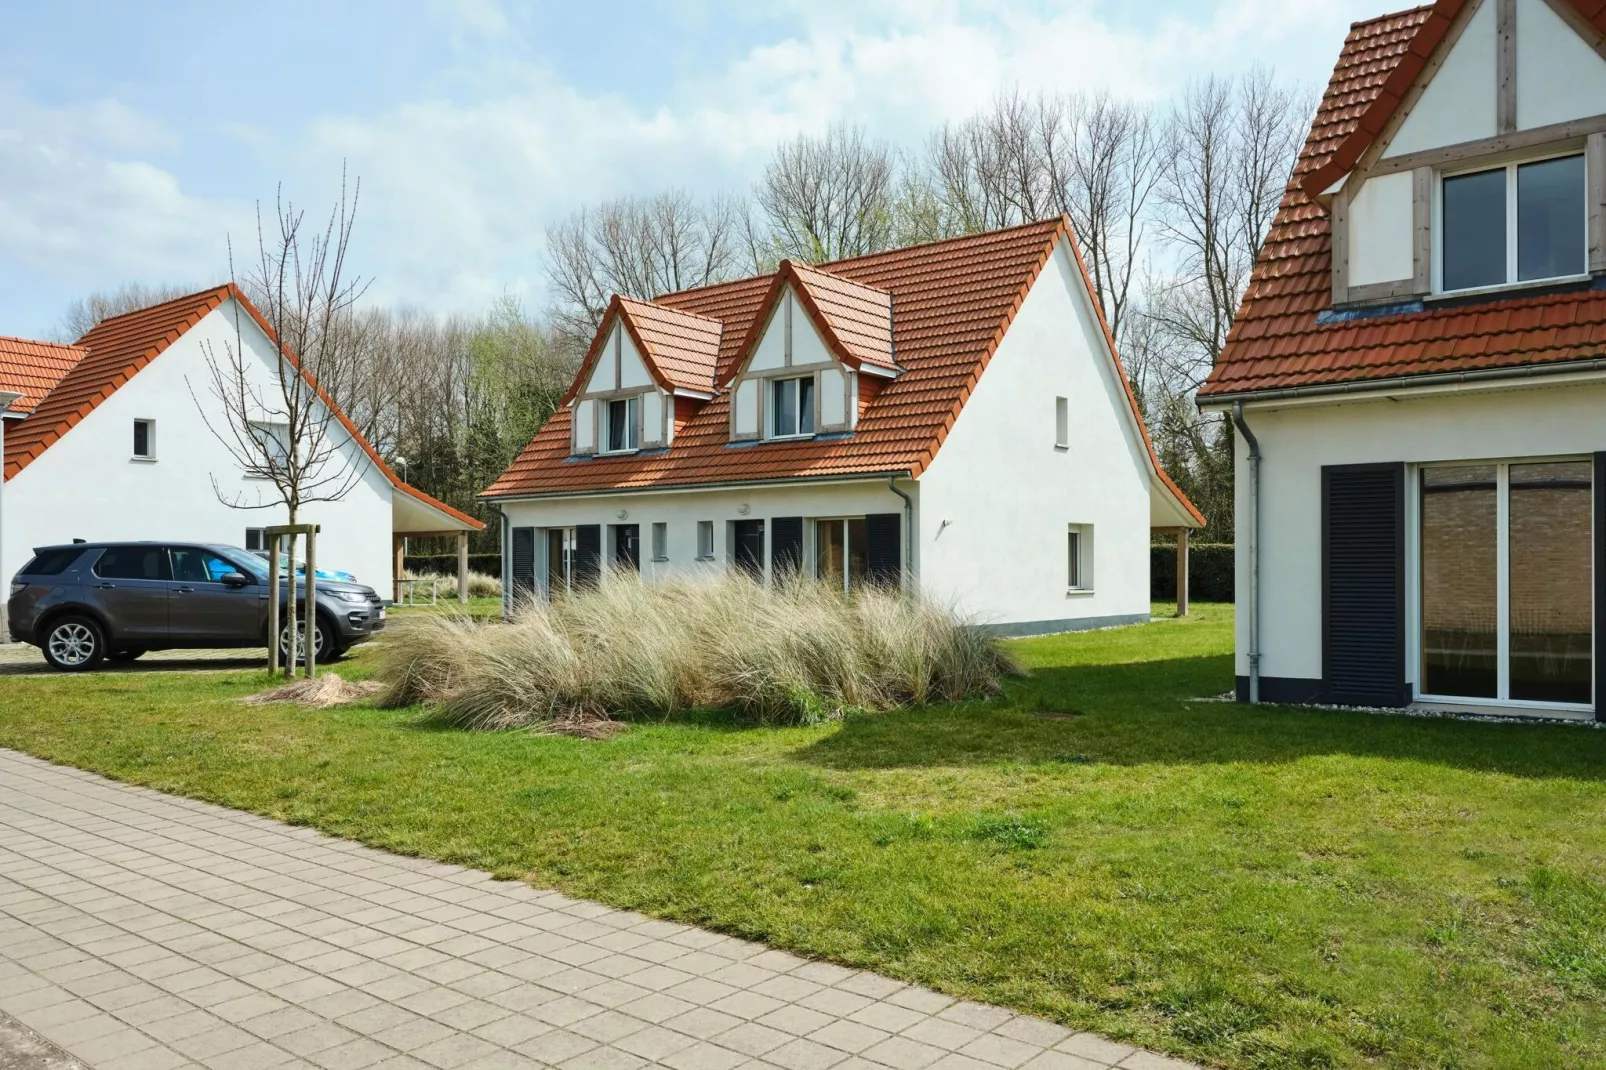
446, 564
1210, 572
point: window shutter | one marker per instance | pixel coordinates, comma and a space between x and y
1600, 586
523, 561
786, 546
884, 553
1363, 584
587, 555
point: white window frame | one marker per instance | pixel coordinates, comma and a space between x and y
632, 425
270, 431
1062, 423
1510, 167
150, 440
1078, 559
770, 387
660, 541
705, 540
1414, 578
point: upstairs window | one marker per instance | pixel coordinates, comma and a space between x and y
1523, 222
792, 407
144, 440
1062, 423
623, 420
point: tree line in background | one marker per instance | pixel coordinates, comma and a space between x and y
1169, 205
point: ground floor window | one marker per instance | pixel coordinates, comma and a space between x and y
841, 551
559, 560
1506, 581
627, 547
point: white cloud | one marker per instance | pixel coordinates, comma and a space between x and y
458, 191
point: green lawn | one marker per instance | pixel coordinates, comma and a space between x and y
1246, 887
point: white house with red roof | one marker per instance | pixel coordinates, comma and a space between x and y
1418, 375
952, 415
107, 439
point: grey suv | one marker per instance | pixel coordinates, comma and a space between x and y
86, 602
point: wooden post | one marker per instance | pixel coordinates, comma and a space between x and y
1182, 572
309, 608
398, 547
273, 605
462, 567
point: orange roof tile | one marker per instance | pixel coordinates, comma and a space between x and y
115, 350
1277, 340
856, 319
681, 349
951, 301
32, 369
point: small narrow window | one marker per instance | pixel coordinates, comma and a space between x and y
623, 420
1079, 558
792, 407
254, 539
145, 440
1062, 422
660, 542
705, 540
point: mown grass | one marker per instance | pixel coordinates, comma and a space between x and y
1251, 888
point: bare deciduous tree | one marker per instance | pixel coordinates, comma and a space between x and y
85, 312
639, 248
828, 197
282, 427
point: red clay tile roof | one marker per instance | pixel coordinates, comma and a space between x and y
953, 302
1276, 341
32, 369
115, 350
681, 349
855, 319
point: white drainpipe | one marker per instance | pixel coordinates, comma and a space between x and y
1254, 550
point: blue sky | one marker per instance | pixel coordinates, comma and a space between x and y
135, 139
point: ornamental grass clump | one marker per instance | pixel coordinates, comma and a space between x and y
793, 653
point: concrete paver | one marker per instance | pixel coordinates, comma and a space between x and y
139, 931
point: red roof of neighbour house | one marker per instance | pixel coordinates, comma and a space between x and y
115, 350
1277, 341
32, 369
948, 305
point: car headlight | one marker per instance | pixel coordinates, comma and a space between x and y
17, 586
350, 596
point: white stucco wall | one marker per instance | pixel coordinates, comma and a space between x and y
996, 503
1380, 230
1295, 442
1559, 77
1460, 104
86, 485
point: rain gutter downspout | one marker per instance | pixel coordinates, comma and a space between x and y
908, 526
1254, 550
504, 534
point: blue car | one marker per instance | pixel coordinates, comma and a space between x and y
301, 569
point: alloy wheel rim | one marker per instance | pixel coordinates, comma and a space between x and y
301, 638
72, 644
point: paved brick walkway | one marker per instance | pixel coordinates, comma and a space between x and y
145, 932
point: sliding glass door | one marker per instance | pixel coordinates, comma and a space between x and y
1506, 604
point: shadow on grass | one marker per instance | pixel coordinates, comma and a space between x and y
1148, 713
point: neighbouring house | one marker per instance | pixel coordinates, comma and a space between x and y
1418, 375
951, 414
107, 440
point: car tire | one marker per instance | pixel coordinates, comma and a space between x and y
126, 654
74, 643
324, 640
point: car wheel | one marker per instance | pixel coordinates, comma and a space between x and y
323, 641
126, 654
74, 644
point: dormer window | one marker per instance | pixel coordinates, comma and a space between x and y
792, 407
1518, 223
624, 417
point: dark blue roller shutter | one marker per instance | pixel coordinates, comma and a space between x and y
1363, 585
884, 552
786, 546
587, 555
1600, 586
523, 561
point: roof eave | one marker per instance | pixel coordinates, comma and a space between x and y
1592, 367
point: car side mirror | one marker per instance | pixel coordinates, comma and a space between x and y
234, 579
